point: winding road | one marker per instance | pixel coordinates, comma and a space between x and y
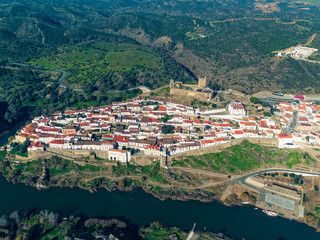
64, 74
242, 179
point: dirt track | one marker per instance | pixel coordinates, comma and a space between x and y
310, 40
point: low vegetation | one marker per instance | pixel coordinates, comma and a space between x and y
95, 174
44, 224
49, 225
242, 158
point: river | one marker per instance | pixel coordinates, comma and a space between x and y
141, 208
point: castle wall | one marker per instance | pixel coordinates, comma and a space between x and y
186, 93
220, 147
64, 153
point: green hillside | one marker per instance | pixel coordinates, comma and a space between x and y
109, 66
244, 157
117, 45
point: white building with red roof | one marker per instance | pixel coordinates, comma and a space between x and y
285, 140
236, 108
119, 155
36, 146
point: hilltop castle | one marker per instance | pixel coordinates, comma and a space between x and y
200, 92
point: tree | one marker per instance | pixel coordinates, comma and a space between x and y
14, 111
167, 129
15, 217
116, 145
53, 218
316, 188
266, 114
164, 120
4, 221
254, 100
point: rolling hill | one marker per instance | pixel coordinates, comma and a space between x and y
121, 44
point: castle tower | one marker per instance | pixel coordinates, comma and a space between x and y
171, 83
202, 82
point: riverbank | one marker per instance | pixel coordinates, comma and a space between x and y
58, 172
44, 224
141, 208
94, 173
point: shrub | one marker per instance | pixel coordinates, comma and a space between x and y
254, 100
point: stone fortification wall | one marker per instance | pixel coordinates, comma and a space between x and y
186, 93
265, 142
140, 160
219, 148
65, 153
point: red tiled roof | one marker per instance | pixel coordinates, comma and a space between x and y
118, 150
284, 135
119, 138
57, 142
162, 108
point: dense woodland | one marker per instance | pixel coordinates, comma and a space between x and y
25, 92
122, 44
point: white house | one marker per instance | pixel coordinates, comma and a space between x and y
236, 108
119, 155
285, 140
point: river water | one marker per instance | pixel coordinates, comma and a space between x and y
141, 208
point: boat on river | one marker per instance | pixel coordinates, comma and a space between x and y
270, 213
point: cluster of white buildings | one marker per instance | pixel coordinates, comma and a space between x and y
306, 117
139, 123
299, 52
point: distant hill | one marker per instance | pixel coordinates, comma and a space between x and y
121, 44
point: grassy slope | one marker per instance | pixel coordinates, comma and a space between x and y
244, 157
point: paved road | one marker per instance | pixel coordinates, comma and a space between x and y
242, 179
64, 74
291, 128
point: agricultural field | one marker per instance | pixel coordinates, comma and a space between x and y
244, 157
